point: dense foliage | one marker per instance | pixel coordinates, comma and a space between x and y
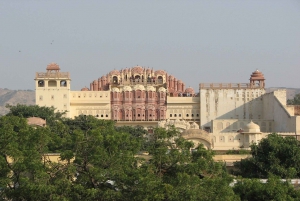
273, 189
26, 111
273, 155
103, 162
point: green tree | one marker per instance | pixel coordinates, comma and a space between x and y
137, 132
102, 163
47, 113
25, 174
184, 175
104, 159
294, 101
273, 189
273, 155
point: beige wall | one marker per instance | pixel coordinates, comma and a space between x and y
95, 103
230, 104
233, 125
186, 108
275, 109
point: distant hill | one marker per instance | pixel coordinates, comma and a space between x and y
290, 92
27, 97
13, 97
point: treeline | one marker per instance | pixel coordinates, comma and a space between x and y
102, 162
294, 101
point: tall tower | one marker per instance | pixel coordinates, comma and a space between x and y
52, 88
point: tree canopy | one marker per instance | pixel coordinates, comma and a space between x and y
100, 161
273, 155
47, 113
273, 189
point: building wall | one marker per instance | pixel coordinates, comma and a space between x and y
95, 103
186, 108
220, 103
275, 109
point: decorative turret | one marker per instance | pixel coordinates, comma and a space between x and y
53, 67
252, 128
257, 80
251, 134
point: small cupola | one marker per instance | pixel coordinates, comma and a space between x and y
252, 128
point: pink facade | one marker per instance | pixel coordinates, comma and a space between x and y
140, 94
138, 104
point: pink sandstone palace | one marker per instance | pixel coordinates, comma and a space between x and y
139, 94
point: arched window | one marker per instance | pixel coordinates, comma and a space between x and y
115, 79
63, 83
263, 127
160, 79
222, 139
227, 125
41, 83
137, 78
52, 83
219, 125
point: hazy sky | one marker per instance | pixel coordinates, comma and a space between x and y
194, 40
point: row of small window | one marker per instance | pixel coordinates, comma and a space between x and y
96, 115
90, 96
252, 95
187, 115
101, 115
150, 115
243, 99
52, 83
52, 97
222, 139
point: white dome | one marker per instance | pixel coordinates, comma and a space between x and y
252, 128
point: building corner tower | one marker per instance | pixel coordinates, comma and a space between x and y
52, 89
